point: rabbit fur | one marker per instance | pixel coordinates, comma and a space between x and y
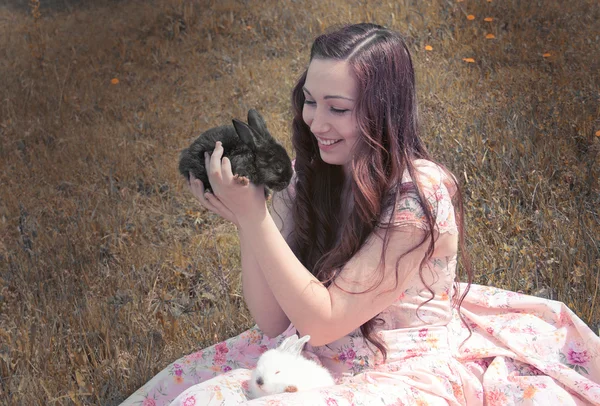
284, 369
254, 154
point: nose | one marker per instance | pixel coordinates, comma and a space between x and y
259, 381
319, 123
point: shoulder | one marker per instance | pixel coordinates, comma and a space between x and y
431, 176
437, 186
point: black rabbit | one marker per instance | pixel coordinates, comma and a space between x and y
253, 152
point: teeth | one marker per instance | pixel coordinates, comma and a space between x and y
327, 142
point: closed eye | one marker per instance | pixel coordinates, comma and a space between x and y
332, 109
276, 372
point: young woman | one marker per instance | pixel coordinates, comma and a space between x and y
361, 253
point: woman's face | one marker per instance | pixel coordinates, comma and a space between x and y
331, 92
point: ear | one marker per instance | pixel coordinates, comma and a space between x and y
296, 348
257, 123
288, 343
291, 388
246, 134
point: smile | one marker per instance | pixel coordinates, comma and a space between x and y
327, 142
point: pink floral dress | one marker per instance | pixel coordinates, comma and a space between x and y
523, 350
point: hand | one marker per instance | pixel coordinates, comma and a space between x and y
244, 199
209, 201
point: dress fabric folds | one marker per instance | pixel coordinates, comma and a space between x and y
511, 348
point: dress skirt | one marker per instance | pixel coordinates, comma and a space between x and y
515, 349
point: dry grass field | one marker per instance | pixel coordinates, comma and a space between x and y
109, 269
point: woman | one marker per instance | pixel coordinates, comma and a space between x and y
361, 255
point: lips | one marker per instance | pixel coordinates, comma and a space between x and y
324, 141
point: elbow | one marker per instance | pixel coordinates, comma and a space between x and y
322, 328
270, 333
319, 335
272, 329
319, 340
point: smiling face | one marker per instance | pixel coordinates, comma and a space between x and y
331, 92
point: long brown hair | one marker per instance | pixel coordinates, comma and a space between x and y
389, 142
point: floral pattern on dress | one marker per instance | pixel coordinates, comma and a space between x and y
515, 349
437, 189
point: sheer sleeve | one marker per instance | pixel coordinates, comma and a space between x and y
438, 190
292, 185
281, 206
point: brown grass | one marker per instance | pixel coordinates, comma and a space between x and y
109, 269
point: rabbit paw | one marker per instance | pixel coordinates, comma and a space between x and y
242, 180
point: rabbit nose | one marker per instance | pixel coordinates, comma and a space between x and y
259, 381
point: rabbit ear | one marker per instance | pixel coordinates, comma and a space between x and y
246, 134
288, 342
297, 345
256, 122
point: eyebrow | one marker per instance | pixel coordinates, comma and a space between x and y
328, 96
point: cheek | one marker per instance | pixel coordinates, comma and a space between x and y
350, 128
307, 115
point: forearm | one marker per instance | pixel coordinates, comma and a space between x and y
261, 302
304, 299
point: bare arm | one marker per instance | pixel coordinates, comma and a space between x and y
324, 313
261, 302
263, 306
328, 314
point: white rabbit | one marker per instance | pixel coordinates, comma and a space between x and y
284, 369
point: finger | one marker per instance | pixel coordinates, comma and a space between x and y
209, 201
207, 165
215, 160
226, 170
198, 191
216, 205
206, 159
203, 196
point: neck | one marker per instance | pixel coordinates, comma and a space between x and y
347, 170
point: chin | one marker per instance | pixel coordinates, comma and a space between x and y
333, 160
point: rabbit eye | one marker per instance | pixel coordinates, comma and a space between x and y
276, 372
